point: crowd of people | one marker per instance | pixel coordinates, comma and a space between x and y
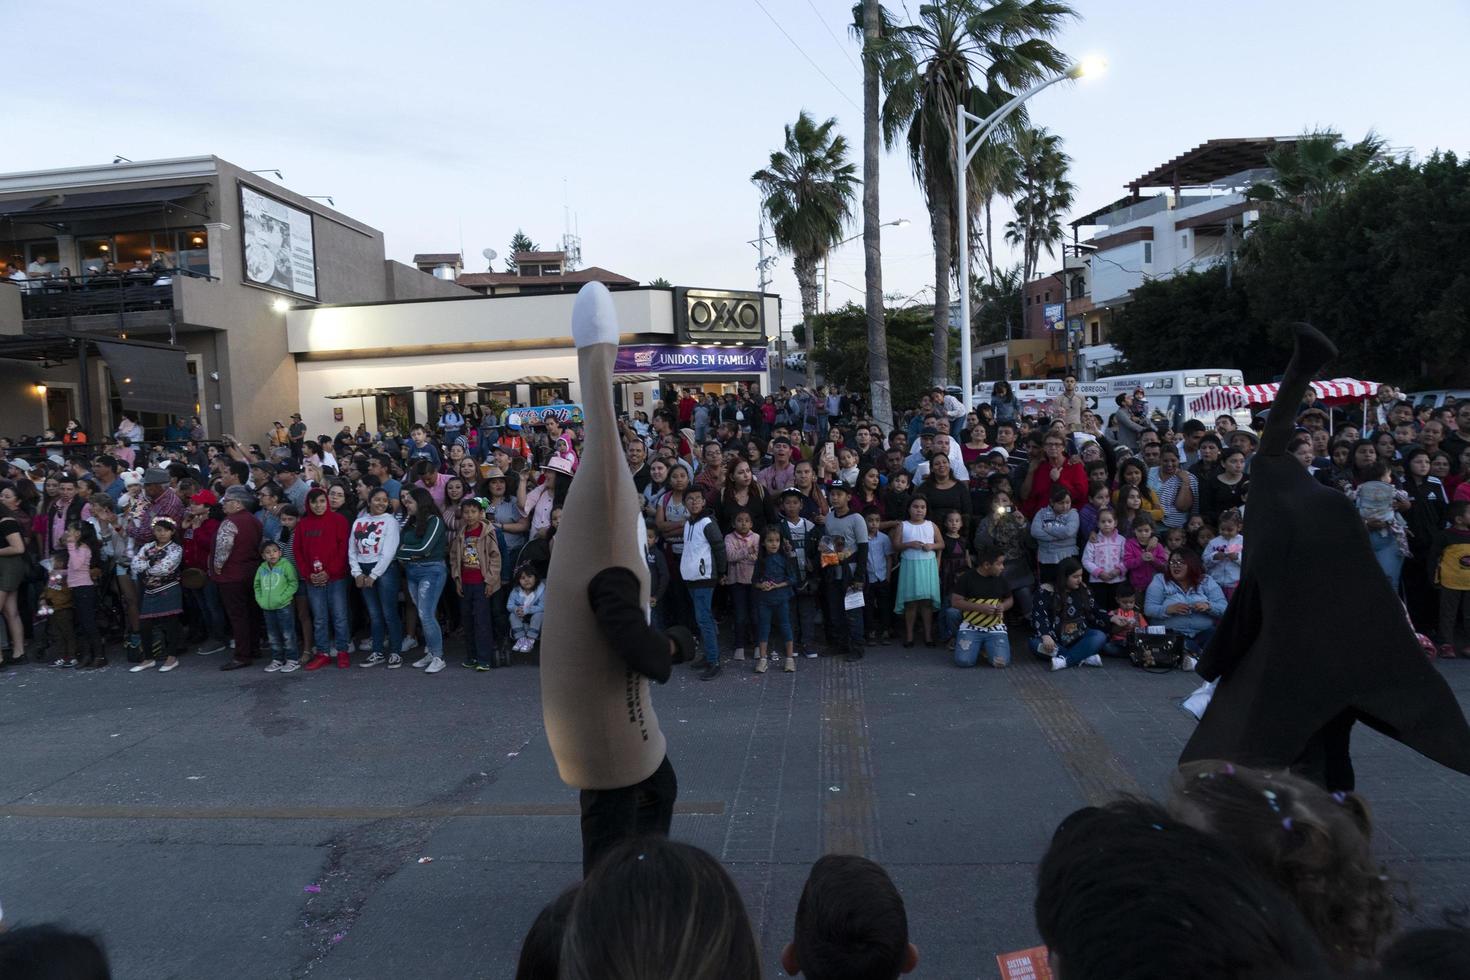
1240, 873
778, 528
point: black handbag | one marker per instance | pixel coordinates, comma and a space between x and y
1157, 653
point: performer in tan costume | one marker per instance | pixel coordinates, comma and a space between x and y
598, 651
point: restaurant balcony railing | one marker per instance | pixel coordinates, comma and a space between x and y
102, 294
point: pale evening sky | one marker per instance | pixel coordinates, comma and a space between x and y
449, 123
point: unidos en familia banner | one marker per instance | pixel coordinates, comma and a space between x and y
690, 359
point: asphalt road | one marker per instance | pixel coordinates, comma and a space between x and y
251, 825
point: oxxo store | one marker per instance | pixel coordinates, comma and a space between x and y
518, 348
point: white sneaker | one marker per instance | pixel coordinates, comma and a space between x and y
788, 664
762, 664
139, 668
1093, 661
211, 647
811, 653
274, 666
423, 661
1190, 662
435, 665
232, 644
365, 645
290, 665
373, 660
409, 643
1059, 663
394, 661
739, 653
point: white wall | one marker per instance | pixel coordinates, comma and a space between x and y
467, 321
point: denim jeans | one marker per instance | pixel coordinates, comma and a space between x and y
526, 626
1089, 643
425, 584
211, 610
280, 631
382, 609
773, 608
329, 616
479, 633
1386, 551
970, 645
702, 597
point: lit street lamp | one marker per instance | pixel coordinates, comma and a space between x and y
969, 143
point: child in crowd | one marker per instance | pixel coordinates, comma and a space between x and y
954, 559
1313, 845
658, 576
976, 616
1175, 539
289, 517
526, 605
275, 594
1200, 538
157, 566
1055, 529
1103, 558
1069, 629
1451, 564
896, 497
1125, 619
850, 922
774, 577
1143, 556
56, 615
83, 569
701, 565
474, 564
800, 543
1375, 498
1222, 555
1098, 498
1130, 508
742, 545
878, 602
917, 541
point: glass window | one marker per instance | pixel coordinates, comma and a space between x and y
193, 251
95, 253
1148, 252
133, 247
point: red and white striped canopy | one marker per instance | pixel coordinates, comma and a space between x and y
1335, 392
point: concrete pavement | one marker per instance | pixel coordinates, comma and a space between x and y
185, 817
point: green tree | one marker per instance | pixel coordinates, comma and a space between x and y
519, 242
1044, 196
661, 281
808, 190
959, 52
1192, 320
840, 349
1383, 268
997, 303
1317, 168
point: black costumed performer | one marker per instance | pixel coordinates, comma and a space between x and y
1315, 638
598, 651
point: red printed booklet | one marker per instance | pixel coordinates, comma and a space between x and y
1025, 964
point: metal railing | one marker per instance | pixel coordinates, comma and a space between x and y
100, 294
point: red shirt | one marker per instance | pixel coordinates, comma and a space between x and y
321, 539
469, 562
686, 410
1074, 478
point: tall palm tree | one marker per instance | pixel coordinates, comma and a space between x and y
1318, 167
998, 170
1045, 195
879, 384
808, 190
975, 53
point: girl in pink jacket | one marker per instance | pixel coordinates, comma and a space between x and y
1103, 558
1144, 556
741, 547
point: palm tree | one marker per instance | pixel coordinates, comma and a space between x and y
808, 190
999, 176
879, 383
975, 53
1318, 167
1045, 195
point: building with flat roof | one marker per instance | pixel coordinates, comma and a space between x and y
195, 254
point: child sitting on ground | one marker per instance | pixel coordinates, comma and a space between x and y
526, 605
1126, 618
1222, 554
850, 922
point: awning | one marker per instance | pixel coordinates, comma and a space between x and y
44, 208
538, 379
633, 379
357, 393
1338, 391
452, 386
150, 379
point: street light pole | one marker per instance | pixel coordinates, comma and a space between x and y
969, 143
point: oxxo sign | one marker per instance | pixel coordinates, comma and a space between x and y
706, 315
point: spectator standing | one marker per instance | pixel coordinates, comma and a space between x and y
275, 594
372, 564
474, 561
319, 546
232, 567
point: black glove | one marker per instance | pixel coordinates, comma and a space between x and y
683, 643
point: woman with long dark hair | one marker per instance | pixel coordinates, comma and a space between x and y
1428, 503
14, 570
423, 550
1184, 599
